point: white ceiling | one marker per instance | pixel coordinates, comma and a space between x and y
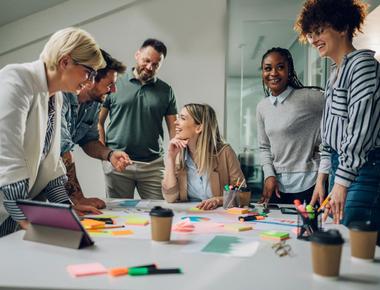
12, 10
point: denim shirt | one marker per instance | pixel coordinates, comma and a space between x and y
198, 186
79, 122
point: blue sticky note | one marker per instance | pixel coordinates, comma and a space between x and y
129, 203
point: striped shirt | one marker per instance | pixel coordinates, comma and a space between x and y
351, 118
54, 192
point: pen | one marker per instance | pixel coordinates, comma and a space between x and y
328, 198
140, 162
150, 271
107, 227
108, 221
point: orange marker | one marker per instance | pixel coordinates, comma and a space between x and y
328, 198
118, 271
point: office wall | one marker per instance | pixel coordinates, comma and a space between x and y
194, 32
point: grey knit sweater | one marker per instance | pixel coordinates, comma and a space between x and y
289, 133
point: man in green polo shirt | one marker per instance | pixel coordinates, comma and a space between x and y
136, 114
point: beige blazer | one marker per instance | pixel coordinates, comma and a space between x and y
24, 104
226, 171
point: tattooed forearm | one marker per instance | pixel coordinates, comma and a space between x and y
72, 186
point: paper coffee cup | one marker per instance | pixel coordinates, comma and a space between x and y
161, 223
326, 248
363, 236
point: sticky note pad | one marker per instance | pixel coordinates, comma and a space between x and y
118, 271
274, 235
195, 209
237, 227
137, 221
122, 233
92, 224
80, 270
237, 210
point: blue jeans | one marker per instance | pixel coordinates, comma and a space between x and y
363, 196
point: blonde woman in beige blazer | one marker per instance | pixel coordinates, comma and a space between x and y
30, 112
198, 163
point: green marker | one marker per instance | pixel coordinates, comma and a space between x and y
310, 211
150, 271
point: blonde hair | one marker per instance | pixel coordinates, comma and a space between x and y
209, 141
77, 43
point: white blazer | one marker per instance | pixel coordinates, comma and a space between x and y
24, 101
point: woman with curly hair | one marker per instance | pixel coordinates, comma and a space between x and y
351, 121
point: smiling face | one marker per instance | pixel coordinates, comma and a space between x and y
148, 61
185, 126
275, 73
105, 86
74, 76
327, 41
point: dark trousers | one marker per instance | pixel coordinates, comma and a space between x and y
288, 198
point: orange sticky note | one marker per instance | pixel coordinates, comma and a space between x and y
92, 224
118, 271
80, 270
122, 233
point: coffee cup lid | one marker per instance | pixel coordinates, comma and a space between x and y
362, 226
161, 212
330, 237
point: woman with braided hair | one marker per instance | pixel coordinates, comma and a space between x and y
288, 134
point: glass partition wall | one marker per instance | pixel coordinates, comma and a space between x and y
250, 36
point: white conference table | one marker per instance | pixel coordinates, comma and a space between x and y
30, 265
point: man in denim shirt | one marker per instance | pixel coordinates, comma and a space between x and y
79, 126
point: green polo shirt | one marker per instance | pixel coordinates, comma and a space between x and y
136, 113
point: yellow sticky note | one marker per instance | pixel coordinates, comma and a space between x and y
237, 210
122, 233
195, 209
136, 221
238, 227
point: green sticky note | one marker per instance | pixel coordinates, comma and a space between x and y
195, 209
221, 244
275, 235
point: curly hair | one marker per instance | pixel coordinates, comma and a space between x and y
341, 15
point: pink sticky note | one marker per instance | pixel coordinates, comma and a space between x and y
80, 270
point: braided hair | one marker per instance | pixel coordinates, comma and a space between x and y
292, 75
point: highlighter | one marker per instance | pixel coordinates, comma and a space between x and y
150, 271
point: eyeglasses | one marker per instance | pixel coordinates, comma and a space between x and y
317, 32
91, 73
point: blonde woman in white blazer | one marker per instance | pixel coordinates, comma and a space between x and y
30, 112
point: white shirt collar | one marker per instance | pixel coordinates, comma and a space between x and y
281, 97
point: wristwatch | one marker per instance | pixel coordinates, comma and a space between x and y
109, 155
